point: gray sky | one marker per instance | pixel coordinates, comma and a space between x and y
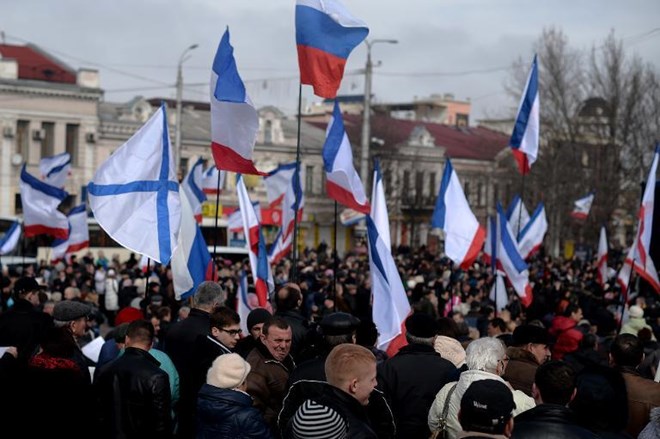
136, 44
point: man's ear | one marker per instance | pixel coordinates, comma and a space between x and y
535, 392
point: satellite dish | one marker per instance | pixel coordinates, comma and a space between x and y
17, 159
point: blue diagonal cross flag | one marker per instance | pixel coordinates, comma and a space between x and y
134, 194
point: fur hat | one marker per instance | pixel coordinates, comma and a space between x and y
228, 371
421, 325
530, 334
636, 312
70, 310
450, 349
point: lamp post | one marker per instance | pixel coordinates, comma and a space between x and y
179, 93
366, 116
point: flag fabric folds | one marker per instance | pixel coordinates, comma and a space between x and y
294, 201
498, 293
135, 194
582, 206
235, 219
280, 248
40, 201
55, 169
210, 182
525, 137
191, 261
490, 243
390, 303
10, 240
638, 257
343, 183
531, 237
192, 186
277, 182
326, 34
517, 215
234, 120
261, 272
78, 238
509, 259
601, 258
243, 307
464, 236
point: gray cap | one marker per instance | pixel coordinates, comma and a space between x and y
339, 323
69, 310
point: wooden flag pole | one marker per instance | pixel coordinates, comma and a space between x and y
294, 250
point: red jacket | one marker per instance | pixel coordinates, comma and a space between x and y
566, 335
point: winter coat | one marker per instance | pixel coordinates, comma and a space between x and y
549, 421
410, 381
111, 295
643, 396
521, 370
634, 325
523, 402
652, 429
228, 413
23, 326
566, 335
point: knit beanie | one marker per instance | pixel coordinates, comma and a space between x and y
256, 316
228, 371
636, 311
450, 349
313, 420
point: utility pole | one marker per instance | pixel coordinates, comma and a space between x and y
179, 97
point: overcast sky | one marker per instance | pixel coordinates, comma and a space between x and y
136, 44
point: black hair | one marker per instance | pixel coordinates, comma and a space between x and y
555, 380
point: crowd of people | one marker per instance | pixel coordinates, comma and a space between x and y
575, 363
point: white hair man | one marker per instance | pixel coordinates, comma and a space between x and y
486, 359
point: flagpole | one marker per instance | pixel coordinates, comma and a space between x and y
215, 240
522, 202
335, 261
294, 250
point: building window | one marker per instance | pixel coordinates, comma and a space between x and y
23, 139
309, 180
419, 186
481, 194
48, 142
72, 135
18, 204
466, 189
406, 183
496, 192
268, 132
462, 120
323, 182
433, 188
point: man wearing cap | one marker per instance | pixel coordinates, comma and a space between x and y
254, 324
24, 325
412, 378
487, 410
530, 349
73, 315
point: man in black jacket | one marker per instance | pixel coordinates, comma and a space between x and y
288, 300
553, 388
413, 377
134, 392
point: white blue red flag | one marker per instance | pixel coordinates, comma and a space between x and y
40, 201
582, 206
343, 183
280, 248
213, 180
10, 239
234, 120
78, 234
498, 293
601, 258
192, 186
294, 201
390, 303
55, 169
639, 257
510, 260
134, 194
235, 219
525, 137
326, 34
191, 261
261, 273
243, 307
464, 236
530, 238
277, 182
517, 214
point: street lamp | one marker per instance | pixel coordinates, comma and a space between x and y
366, 116
179, 93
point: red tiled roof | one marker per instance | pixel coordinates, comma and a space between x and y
37, 65
476, 143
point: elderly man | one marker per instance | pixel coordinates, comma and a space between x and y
486, 359
271, 366
529, 350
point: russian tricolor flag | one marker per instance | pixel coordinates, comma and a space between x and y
40, 201
464, 236
54, 170
326, 34
10, 240
525, 137
261, 273
78, 234
509, 259
192, 186
343, 183
531, 237
234, 120
191, 261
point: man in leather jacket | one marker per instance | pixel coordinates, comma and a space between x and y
134, 392
553, 389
